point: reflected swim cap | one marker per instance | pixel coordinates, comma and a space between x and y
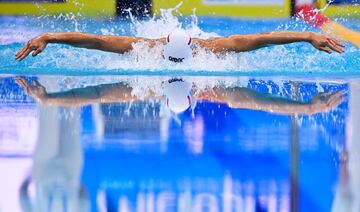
178, 46
178, 95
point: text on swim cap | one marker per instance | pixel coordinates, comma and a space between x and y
176, 60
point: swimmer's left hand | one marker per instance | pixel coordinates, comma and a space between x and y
35, 90
326, 43
326, 101
35, 45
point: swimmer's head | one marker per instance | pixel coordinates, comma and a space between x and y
178, 95
178, 46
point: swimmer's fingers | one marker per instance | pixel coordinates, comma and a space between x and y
335, 102
23, 83
24, 54
339, 43
38, 50
337, 48
333, 46
323, 102
19, 53
37, 45
20, 81
334, 99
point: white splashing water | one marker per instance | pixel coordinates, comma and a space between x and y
168, 21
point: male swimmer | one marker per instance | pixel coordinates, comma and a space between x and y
178, 45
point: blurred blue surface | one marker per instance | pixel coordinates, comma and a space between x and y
248, 150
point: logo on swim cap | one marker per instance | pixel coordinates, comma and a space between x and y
178, 95
178, 46
176, 60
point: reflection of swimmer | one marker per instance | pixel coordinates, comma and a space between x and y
235, 97
179, 45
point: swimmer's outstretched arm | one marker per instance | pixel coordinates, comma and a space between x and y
249, 99
242, 43
106, 93
109, 43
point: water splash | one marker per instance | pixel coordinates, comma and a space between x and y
168, 21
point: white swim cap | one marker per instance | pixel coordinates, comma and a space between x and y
178, 95
178, 46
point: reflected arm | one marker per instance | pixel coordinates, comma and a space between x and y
106, 93
250, 99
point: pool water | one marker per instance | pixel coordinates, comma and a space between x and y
141, 157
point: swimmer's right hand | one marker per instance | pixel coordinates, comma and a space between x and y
36, 45
326, 43
326, 101
35, 90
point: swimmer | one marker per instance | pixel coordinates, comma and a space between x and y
178, 45
181, 100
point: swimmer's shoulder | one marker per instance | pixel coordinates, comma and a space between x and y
151, 42
209, 43
199, 42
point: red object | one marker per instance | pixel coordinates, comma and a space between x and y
309, 14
